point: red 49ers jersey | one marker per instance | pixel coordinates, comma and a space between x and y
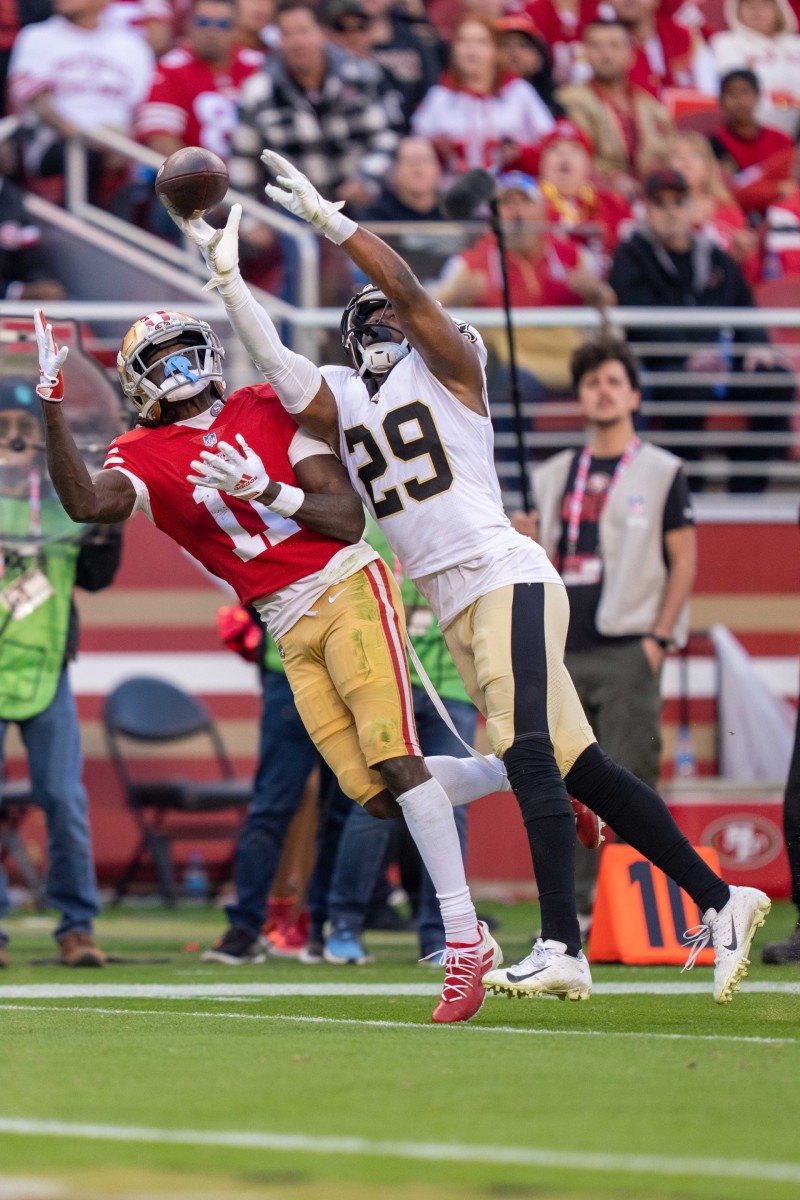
251, 548
194, 102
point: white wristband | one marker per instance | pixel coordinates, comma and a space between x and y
337, 228
287, 501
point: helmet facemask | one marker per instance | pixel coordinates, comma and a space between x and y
370, 344
151, 383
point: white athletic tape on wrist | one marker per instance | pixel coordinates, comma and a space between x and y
287, 501
337, 228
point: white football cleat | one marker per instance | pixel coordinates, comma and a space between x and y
731, 932
547, 971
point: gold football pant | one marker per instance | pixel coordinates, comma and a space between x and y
346, 664
508, 647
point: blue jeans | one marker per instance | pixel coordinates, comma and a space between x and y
52, 741
287, 756
364, 840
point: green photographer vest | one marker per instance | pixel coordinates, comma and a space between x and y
32, 647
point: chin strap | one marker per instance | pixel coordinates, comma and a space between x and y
380, 357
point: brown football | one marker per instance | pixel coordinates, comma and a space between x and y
192, 181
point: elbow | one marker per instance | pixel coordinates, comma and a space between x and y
355, 527
84, 512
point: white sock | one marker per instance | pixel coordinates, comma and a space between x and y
467, 779
430, 821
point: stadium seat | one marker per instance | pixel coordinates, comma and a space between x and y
166, 810
692, 110
16, 800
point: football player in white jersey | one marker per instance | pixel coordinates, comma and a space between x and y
410, 420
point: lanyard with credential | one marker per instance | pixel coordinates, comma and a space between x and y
579, 491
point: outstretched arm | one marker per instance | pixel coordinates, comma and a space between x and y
433, 334
297, 381
106, 497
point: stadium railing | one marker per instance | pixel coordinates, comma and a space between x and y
719, 439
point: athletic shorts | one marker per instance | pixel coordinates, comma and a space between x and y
508, 647
346, 664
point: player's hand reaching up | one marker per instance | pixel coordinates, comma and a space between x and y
298, 196
219, 247
240, 473
51, 360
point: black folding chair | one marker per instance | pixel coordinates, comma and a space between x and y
153, 711
16, 799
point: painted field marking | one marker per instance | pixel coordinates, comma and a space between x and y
215, 991
306, 1020
520, 1156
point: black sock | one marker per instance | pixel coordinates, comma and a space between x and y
550, 825
638, 815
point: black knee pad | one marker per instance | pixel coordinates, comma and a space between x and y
534, 775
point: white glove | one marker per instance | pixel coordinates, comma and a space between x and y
240, 474
219, 247
299, 196
51, 360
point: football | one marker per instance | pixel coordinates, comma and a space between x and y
192, 181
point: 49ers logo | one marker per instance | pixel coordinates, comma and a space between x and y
743, 841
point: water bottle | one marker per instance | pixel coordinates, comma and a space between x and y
685, 763
195, 879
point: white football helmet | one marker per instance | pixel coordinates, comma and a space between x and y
150, 384
369, 344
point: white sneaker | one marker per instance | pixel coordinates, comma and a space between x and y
547, 971
731, 932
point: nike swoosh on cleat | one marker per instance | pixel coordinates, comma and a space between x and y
734, 942
521, 978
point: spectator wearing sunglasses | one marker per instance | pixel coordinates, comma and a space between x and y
195, 90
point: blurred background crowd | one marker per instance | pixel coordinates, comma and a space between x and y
574, 105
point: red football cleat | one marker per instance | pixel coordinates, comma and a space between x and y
286, 936
464, 968
588, 826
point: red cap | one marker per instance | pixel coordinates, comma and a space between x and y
566, 131
518, 23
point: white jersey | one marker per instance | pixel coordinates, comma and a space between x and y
424, 465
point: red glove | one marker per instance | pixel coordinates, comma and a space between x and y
240, 632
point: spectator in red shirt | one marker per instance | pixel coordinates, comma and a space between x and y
715, 212
667, 54
759, 158
587, 212
544, 270
196, 87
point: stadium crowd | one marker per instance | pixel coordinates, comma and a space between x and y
572, 104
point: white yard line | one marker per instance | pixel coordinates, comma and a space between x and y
216, 991
519, 1156
418, 1025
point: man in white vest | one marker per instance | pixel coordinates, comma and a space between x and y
616, 520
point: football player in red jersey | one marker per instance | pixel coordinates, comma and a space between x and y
226, 479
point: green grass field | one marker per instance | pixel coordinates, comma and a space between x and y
174, 1078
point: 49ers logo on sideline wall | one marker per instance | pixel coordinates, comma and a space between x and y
743, 841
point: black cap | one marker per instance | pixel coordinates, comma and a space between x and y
665, 180
334, 10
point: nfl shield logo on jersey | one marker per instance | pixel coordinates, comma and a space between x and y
209, 439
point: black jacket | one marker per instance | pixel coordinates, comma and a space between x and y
644, 276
